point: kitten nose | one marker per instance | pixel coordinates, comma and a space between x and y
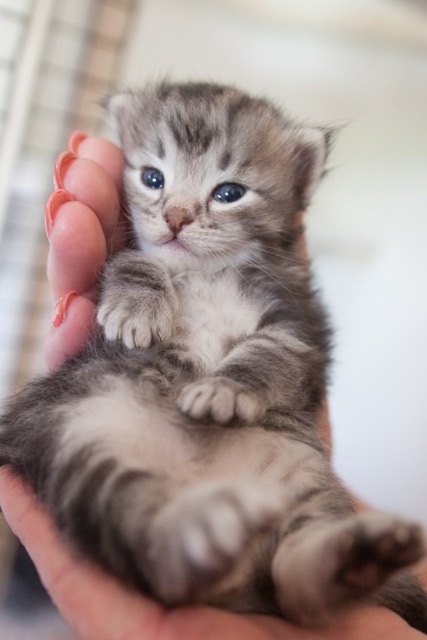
177, 217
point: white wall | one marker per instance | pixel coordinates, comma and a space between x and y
368, 224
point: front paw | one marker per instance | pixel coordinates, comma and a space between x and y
136, 324
221, 400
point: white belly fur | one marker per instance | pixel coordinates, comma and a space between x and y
212, 311
140, 434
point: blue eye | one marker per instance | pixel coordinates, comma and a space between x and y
228, 192
153, 178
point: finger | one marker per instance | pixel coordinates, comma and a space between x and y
214, 624
78, 248
105, 153
73, 320
421, 571
90, 184
76, 257
324, 426
83, 223
358, 624
92, 603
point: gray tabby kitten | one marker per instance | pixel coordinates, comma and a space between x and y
180, 449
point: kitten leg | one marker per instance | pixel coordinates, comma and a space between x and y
268, 367
326, 567
104, 509
138, 301
199, 539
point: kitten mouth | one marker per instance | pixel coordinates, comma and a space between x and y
175, 243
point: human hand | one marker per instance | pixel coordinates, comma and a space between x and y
85, 205
92, 602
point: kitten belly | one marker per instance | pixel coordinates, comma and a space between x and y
119, 423
257, 452
213, 315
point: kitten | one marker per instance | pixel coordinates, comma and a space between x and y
180, 449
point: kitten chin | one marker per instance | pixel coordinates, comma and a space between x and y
181, 255
172, 253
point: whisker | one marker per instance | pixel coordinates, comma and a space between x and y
220, 258
227, 262
288, 255
242, 276
270, 275
279, 253
233, 266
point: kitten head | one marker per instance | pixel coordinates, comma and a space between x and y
213, 175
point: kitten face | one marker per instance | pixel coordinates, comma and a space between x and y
212, 175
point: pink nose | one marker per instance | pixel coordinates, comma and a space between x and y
177, 218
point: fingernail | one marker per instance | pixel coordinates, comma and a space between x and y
55, 200
61, 167
59, 313
75, 139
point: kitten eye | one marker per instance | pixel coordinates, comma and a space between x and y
228, 192
153, 178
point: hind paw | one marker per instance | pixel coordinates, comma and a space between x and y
375, 547
202, 535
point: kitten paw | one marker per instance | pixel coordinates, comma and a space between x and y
375, 547
201, 536
329, 567
221, 400
136, 325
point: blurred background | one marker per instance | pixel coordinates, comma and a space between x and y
360, 65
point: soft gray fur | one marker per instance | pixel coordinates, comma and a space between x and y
180, 450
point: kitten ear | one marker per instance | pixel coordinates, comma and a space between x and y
119, 107
311, 148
